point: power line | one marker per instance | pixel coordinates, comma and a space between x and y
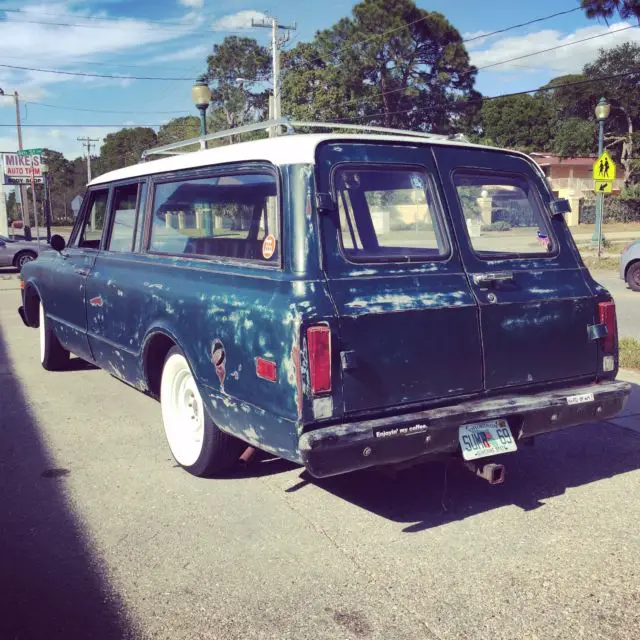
91, 75
409, 24
495, 64
132, 112
382, 113
471, 102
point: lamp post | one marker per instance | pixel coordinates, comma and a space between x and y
201, 96
603, 109
46, 203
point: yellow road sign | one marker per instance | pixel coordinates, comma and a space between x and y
602, 186
604, 168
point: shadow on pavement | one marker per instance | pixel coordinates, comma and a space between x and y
432, 494
52, 584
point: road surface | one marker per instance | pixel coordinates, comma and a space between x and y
103, 537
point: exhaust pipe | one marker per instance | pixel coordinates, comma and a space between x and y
246, 456
491, 472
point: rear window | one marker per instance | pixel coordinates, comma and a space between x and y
503, 214
226, 216
388, 213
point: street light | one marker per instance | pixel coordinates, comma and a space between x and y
602, 111
201, 96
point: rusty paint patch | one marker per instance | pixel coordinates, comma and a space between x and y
218, 357
96, 302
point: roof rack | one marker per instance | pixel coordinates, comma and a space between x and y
289, 127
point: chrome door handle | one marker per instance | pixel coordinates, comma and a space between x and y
491, 278
81, 272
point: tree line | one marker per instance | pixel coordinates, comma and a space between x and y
393, 64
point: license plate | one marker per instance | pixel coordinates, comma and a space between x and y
484, 439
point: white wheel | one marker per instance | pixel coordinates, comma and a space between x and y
183, 413
53, 356
42, 335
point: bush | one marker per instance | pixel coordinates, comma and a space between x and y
501, 225
421, 225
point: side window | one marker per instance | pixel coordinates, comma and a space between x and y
503, 214
388, 214
123, 218
93, 224
228, 216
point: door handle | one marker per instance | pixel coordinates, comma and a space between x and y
486, 279
80, 271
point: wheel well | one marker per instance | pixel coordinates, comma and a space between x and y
628, 266
21, 253
154, 357
31, 307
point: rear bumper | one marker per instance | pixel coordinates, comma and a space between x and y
350, 446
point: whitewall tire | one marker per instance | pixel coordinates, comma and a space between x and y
196, 443
53, 356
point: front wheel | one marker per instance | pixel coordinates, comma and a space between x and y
196, 443
53, 356
633, 276
22, 258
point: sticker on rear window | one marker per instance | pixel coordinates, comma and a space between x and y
268, 247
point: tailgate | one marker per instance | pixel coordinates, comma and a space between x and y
408, 319
535, 305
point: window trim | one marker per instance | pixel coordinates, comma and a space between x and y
202, 173
479, 171
439, 214
106, 239
85, 212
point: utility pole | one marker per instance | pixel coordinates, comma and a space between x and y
87, 142
276, 43
23, 189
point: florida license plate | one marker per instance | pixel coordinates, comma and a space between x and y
484, 439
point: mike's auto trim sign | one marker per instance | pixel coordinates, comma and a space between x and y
21, 169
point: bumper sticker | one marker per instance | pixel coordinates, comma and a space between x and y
389, 432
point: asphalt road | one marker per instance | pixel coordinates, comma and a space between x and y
103, 537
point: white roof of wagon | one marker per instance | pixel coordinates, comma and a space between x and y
281, 150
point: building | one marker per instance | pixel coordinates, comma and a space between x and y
571, 178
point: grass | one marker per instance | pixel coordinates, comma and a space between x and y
629, 353
605, 263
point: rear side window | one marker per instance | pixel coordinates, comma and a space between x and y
388, 213
228, 216
123, 218
503, 214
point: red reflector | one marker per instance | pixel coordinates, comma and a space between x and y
319, 344
266, 369
607, 316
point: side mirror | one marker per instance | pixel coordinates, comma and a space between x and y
58, 243
560, 207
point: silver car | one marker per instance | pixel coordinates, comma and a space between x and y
630, 265
16, 253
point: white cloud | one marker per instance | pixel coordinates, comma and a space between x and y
194, 4
569, 59
53, 46
190, 53
238, 21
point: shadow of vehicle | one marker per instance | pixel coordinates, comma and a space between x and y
53, 584
78, 364
433, 494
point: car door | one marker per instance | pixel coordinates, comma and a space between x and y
535, 305
64, 293
408, 321
116, 297
6, 256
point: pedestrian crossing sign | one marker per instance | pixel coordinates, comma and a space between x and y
603, 186
604, 168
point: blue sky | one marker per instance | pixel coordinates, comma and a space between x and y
171, 38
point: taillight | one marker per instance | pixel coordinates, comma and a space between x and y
607, 317
319, 345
